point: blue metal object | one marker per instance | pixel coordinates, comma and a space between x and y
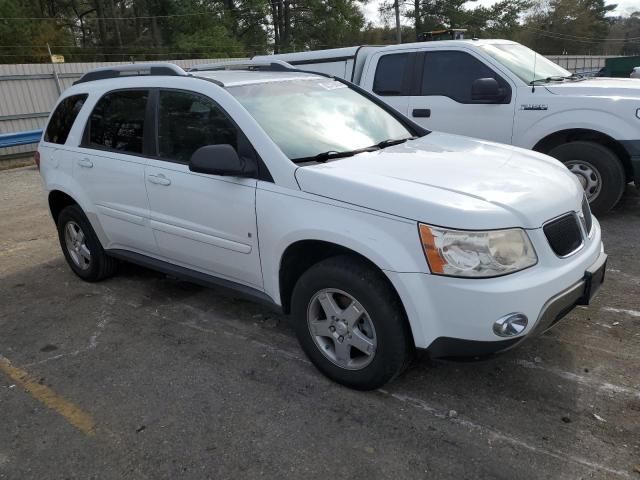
20, 138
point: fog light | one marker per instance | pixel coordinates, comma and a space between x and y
510, 325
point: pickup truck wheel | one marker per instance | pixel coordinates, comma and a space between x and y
350, 323
598, 169
81, 247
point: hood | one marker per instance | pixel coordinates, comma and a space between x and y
598, 87
451, 181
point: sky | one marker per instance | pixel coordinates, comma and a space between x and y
625, 7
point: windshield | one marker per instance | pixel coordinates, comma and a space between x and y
522, 61
306, 117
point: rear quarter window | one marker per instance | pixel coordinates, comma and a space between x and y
63, 117
390, 74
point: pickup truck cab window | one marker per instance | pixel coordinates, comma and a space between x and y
188, 121
390, 74
451, 73
118, 121
309, 116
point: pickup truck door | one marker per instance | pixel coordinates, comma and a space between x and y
203, 222
442, 99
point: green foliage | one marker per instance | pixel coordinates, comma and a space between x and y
121, 30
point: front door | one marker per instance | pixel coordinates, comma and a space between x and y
443, 99
204, 222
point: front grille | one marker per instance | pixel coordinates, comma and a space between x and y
564, 234
586, 216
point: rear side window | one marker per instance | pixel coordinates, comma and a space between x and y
390, 74
62, 119
451, 74
117, 121
188, 121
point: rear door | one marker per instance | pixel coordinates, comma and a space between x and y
204, 222
109, 166
442, 99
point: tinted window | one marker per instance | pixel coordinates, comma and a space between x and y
188, 121
117, 121
451, 74
390, 74
63, 118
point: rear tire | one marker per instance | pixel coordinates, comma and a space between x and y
598, 169
81, 247
375, 323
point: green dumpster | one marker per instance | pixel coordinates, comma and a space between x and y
620, 66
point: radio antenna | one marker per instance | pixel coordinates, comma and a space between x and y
533, 82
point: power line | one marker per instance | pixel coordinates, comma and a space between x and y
595, 39
149, 17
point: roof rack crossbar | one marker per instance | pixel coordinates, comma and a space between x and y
263, 65
135, 69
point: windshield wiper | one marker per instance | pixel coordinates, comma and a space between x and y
558, 78
393, 141
328, 155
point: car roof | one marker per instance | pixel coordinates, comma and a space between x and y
231, 78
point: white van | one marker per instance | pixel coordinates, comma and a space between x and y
502, 91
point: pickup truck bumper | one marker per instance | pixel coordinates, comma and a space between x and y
455, 317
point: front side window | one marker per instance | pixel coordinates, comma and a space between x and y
390, 74
62, 119
188, 121
452, 73
308, 116
118, 121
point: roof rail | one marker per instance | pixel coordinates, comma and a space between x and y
154, 69
264, 65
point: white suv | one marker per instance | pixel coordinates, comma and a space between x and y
305, 192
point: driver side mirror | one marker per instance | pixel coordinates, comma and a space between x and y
487, 90
221, 160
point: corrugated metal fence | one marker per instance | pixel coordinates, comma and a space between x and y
29, 91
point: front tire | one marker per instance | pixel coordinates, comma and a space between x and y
81, 247
598, 169
350, 323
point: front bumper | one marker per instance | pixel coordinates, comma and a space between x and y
455, 317
581, 293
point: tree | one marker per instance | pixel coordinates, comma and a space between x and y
568, 27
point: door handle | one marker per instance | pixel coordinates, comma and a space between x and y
422, 112
85, 162
159, 179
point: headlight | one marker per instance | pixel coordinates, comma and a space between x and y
461, 253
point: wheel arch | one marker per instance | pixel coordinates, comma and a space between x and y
548, 143
58, 201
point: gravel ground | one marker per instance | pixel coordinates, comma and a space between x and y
142, 376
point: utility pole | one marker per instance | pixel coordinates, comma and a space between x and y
55, 72
396, 6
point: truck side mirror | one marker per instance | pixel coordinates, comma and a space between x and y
487, 90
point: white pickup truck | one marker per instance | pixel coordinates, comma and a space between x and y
502, 91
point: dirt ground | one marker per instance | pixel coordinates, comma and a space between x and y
146, 377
